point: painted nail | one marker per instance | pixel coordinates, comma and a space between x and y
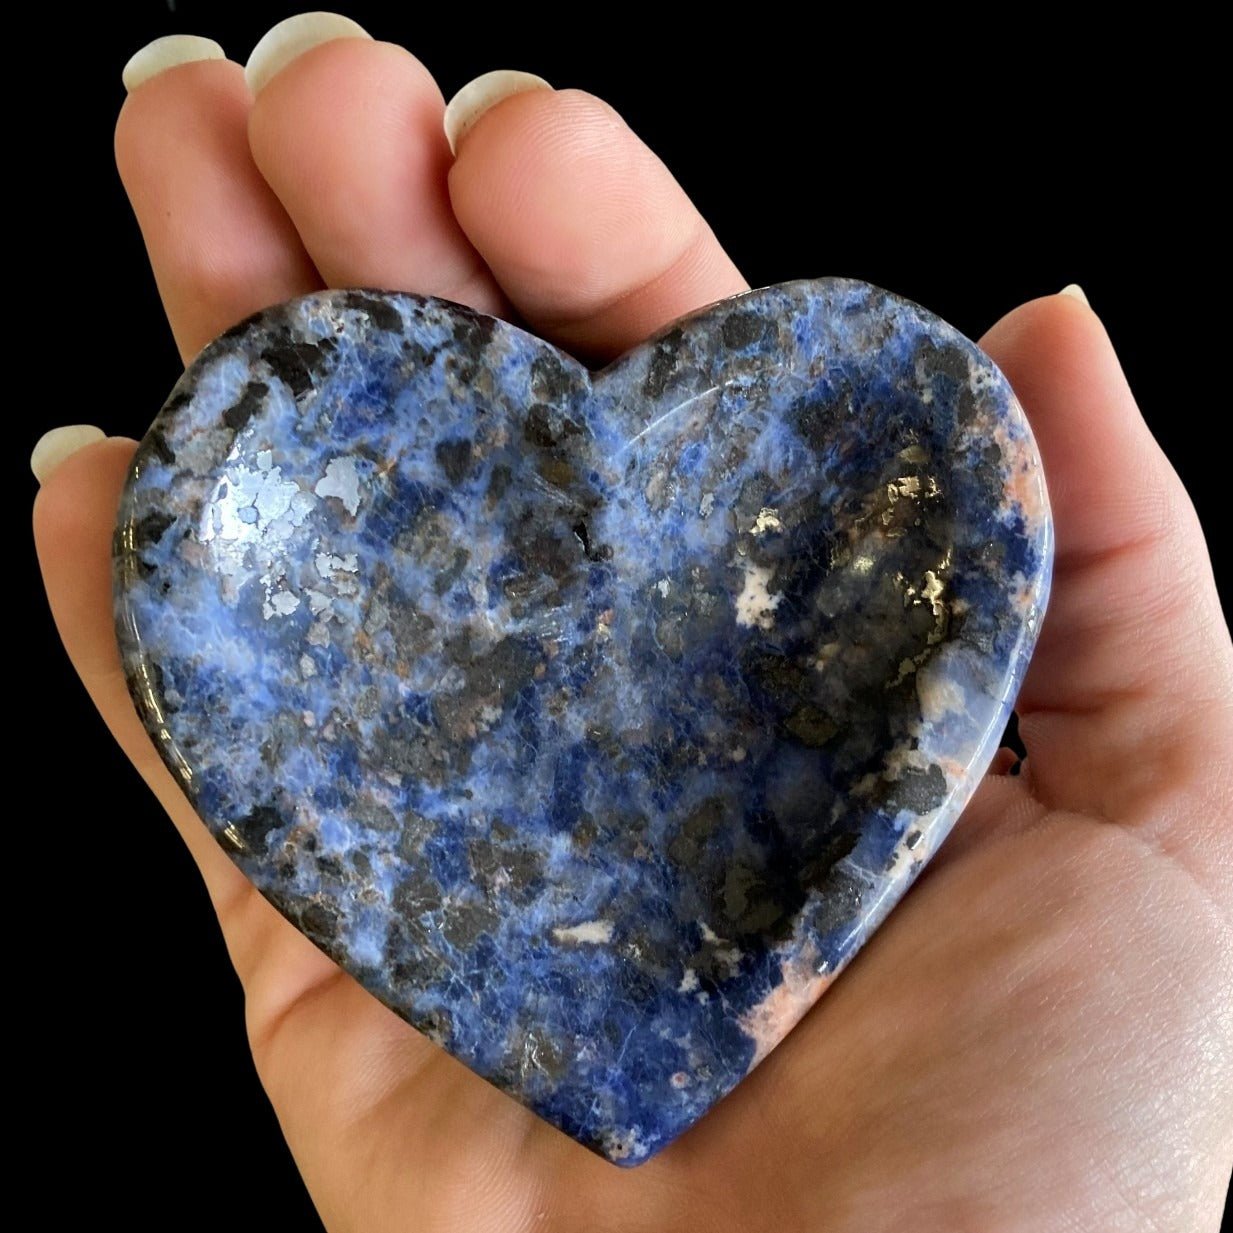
166, 53
292, 38
477, 96
1076, 293
55, 446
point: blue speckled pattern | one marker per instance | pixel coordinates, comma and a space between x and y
592, 723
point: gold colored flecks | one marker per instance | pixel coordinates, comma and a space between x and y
767, 520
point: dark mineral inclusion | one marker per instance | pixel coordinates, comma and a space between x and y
591, 722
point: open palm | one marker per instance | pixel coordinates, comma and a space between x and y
1041, 1036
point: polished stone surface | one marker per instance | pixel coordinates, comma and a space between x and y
592, 724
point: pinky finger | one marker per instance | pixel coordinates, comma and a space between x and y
73, 518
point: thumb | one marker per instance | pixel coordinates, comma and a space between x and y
1127, 709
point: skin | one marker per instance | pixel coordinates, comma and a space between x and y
1040, 1037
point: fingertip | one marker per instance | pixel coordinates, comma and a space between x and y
1108, 480
512, 192
1060, 360
211, 84
58, 444
584, 227
167, 53
340, 107
81, 494
220, 243
350, 137
480, 95
293, 37
1054, 320
334, 71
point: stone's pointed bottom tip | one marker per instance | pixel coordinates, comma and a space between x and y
591, 723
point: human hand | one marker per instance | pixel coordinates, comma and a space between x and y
1040, 1036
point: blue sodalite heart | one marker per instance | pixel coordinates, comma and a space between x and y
592, 723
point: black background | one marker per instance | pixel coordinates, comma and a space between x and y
966, 171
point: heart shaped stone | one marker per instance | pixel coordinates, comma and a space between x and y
592, 723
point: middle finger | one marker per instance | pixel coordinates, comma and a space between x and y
348, 133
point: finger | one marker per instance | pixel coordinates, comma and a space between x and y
1109, 483
220, 244
1131, 678
349, 135
588, 234
304, 1015
74, 515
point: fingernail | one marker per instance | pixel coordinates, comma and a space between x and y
166, 53
485, 92
1076, 293
291, 38
55, 446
